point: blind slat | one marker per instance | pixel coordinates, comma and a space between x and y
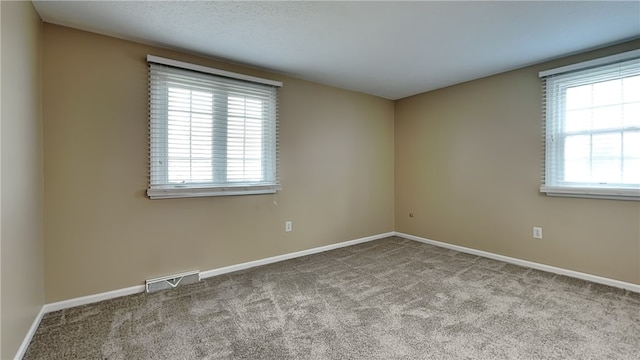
210, 132
592, 127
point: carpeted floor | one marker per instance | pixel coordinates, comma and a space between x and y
387, 299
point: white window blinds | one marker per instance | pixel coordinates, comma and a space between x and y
211, 133
592, 128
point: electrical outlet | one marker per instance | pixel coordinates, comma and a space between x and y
287, 226
537, 232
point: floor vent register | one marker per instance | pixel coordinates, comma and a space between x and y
172, 281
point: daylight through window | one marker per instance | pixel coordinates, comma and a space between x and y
592, 128
211, 133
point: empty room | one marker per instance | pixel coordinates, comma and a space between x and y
320, 180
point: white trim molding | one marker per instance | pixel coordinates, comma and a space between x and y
89, 299
271, 260
84, 300
60, 305
593, 192
529, 264
32, 331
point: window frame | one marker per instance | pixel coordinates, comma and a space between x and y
160, 186
554, 134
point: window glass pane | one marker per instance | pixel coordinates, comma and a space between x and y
607, 92
208, 133
631, 150
189, 134
606, 146
244, 139
607, 117
578, 120
592, 127
200, 170
606, 158
577, 158
631, 115
631, 174
179, 170
579, 97
606, 171
631, 89
577, 170
577, 147
201, 102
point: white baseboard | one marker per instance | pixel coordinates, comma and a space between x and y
529, 264
27, 339
270, 260
60, 305
89, 299
84, 300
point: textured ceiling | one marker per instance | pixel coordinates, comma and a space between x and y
389, 49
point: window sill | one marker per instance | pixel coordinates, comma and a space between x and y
592, 193
190, 192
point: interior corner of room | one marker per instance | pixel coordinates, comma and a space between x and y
459, 165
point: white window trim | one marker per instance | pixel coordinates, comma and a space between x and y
205, 190
612, 193
188, 192
592, 193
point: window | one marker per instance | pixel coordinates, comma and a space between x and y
212, 132
592, 128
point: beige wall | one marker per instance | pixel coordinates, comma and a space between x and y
337, 168
21, 174
468, 164
102, 233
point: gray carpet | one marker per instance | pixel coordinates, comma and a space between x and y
387, 299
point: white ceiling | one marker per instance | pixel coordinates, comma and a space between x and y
390, 49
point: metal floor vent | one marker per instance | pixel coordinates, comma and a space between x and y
172, 281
